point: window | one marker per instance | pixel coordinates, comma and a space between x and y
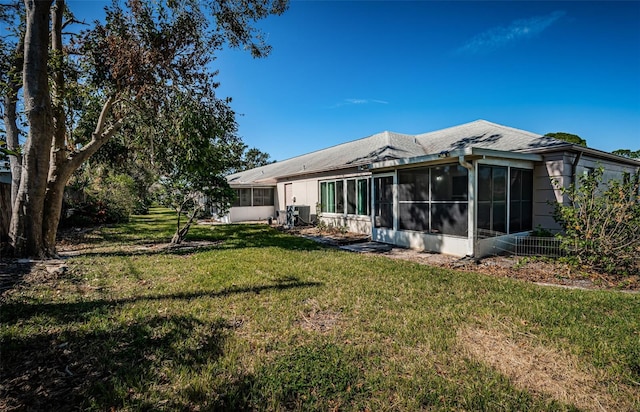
521, 200
434, 200
413, 198
339, 196
243, 197
363, 198
263, 197
351, 197
328, 197
355, 201
384, 202
332, 197
254, 197
492, 200
493, 203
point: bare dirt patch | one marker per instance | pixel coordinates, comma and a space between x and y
313, 318
541, 370
331, 236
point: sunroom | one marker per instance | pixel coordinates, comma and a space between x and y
466, 202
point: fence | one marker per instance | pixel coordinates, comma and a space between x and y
537, 246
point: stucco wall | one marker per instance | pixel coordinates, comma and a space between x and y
556, 171
249, 213
305, 190
449, 245
355, 224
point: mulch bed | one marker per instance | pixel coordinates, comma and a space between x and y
544, 271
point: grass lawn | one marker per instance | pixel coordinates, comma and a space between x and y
266, 321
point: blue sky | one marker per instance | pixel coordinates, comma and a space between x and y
340, 71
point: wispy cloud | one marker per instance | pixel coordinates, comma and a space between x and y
350, 102
499, 37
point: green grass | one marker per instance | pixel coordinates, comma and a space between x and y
267, 321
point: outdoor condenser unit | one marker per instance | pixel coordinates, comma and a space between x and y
298, 214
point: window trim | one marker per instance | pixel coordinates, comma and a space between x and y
237, 202
341, 202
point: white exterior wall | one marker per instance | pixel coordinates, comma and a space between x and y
249, 213
449, 245
304, 191
353, 223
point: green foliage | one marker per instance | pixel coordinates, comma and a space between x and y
4, 151
601, 222
539, 231
98, 196
202, 147
112, 80
568, 137
627, 153
252, 158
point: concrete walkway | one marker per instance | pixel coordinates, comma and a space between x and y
368, 247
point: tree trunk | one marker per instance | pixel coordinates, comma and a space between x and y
10, 118
64, 163
181, 234
26, 220
59, 170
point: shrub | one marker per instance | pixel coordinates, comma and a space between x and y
601, 223
91, 199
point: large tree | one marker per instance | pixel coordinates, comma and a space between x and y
80, 91
568, 137
631, 154
204, 146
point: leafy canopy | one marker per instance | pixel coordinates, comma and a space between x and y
568, 137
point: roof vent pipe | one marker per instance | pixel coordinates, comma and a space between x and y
464, 163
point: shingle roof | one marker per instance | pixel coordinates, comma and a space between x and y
484, 134
389, 145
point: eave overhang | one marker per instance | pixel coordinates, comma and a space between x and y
468, 153
589, 151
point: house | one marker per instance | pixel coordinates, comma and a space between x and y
463, 191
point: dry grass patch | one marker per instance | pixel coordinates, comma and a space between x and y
313, 318
540, 370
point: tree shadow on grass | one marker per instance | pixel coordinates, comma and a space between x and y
13, 272
236, 236
123, 366
115, 364
13, 313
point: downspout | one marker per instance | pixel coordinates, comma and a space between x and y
574, 167
465, 164
471, 244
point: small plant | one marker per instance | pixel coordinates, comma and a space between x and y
322, 225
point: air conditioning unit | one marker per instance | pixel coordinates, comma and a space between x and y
298, 215
304, 214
